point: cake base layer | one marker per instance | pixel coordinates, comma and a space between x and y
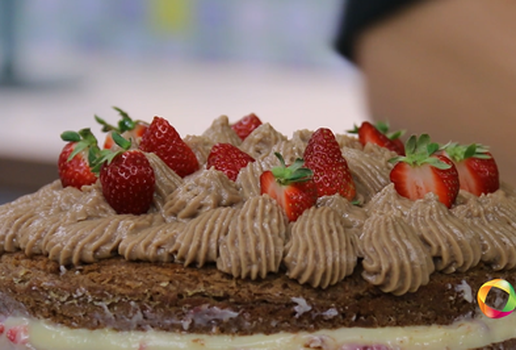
20, 333
126, 296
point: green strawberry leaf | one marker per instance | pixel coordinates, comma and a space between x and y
70, 136
84, 139
436, 162
93, 154
291, 174
419, 151
98, 157
354, 130
126, 123
105, 126
410, 146
383, 127
104, 156
79, 147
396, 134
432, 148
396, 159
121, 141
459, 152
470, 151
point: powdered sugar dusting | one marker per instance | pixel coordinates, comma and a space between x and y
466, 291
301, 307
205, 315
330, 313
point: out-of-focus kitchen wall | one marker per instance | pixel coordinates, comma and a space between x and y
187, 60
292, 32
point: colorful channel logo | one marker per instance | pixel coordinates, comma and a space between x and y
510, 306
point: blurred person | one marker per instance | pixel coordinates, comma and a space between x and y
446, 68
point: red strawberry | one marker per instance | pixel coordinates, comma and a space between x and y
478, 172
393, 136
135, 135
18, 334
400, 147
228, 159
422, 171
368, 133
246, 125
331, 173
162, 139
292, 187
127, 178
130, 129
73, 163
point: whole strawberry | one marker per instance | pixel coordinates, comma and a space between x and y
128, 128
478, 172
163, 140
246, 125
422, 171
378, 134
330, 170
292, 187
73, 163
229, 159
127, 179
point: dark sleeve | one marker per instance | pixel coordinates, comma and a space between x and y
357, 15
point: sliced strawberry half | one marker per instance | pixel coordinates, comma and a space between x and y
478, 172
422, 171
229, 159
246, 125
162, 139
292, 187
394, 136
378, 135
74, 160
127, 127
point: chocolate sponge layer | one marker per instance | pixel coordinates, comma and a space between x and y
126, 295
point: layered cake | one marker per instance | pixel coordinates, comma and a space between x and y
244, 238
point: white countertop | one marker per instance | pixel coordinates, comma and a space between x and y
189, 95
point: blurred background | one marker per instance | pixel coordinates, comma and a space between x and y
189, 61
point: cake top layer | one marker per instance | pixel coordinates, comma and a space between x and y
210, 204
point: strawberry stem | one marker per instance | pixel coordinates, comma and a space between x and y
107, 155
84, 139
294, 173
419, 151
124, 124
459, 152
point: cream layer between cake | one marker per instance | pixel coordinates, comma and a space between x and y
33, 334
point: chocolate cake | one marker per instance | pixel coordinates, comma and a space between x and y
218, 264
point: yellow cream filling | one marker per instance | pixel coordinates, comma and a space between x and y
460, 335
